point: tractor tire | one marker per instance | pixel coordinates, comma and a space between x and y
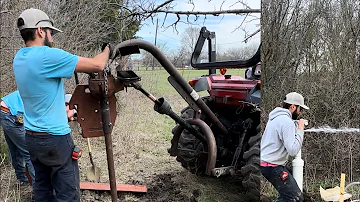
191, 151
251, 170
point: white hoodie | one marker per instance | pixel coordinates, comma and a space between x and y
281, 137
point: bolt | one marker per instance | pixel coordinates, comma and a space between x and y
82, 119
96, 111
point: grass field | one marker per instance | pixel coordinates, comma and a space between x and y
156, 81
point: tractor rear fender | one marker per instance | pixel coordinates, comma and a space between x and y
200, 84
254, 95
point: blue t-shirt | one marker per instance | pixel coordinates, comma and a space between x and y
39, 73
14, 103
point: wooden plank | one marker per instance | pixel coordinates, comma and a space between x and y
342, 187
106, 187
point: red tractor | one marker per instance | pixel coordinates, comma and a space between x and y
229, 119
215, 135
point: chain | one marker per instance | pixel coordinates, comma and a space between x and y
106, 69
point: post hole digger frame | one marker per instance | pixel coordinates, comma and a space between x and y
95, 103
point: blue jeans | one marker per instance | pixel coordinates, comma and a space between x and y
15, 138
288, 189
55, 170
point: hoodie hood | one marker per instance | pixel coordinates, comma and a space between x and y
279, 111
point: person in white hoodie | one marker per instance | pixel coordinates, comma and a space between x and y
283, 137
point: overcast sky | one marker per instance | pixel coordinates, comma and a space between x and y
224, 27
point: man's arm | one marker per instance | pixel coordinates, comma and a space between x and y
293, 138
95, 64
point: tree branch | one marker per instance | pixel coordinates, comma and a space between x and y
251, 35
215, 13
157, 9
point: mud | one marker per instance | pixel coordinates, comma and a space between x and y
176, 187
163, 188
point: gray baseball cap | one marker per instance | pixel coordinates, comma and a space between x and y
34, 18
296, 99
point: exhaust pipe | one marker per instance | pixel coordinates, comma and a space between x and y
211, 143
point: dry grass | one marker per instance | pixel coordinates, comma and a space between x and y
140, 140
10, 189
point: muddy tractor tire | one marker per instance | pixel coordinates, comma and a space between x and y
192, 155
251, 170
191, 151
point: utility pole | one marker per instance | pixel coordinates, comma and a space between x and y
156, 30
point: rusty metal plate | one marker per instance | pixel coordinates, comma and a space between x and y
89, 111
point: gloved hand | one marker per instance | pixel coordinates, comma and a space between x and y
112, 55
110, 48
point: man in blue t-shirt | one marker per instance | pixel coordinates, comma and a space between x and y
39, 72
11, 117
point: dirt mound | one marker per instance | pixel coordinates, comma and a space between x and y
164, 188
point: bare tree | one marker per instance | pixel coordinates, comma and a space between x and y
312, 47
178, 57
241, 53
85, 25
188, 40
302, 42
145, 9
148, 59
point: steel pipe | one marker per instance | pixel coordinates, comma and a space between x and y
107, 127
169, 67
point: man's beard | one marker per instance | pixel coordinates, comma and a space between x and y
47, 42
295, 115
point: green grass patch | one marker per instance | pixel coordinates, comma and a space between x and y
166, 128
156, 81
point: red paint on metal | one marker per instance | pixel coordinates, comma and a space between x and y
230, 91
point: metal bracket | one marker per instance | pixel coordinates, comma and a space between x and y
223, 171
89, 111
184, 95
